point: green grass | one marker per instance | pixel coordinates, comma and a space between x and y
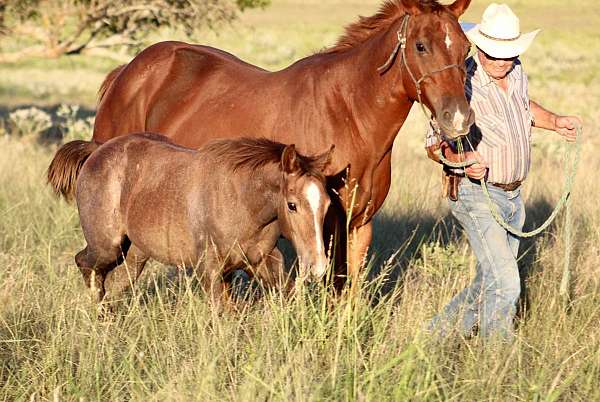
164, 343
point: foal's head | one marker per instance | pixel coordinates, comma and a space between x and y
303, 203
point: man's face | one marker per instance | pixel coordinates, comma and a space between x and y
495, 67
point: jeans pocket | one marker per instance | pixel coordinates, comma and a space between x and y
511, 195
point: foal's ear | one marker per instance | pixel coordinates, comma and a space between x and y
321, 161
289, 159
458, 7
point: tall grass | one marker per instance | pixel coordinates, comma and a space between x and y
165, 343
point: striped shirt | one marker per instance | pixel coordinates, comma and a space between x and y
503, 121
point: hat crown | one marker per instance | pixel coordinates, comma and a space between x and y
499, 21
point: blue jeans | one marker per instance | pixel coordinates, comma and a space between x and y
491, 299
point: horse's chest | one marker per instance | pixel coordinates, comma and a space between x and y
362, 190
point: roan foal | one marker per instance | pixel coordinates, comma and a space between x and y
216, 209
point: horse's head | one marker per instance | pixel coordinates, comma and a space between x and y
432, 61
302, 207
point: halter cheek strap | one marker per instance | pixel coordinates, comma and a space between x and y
400, 45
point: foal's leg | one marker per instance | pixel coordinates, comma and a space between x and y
271, 272
93, 267
125, 275
210, 273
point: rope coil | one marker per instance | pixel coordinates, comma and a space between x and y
564, 201
569, 180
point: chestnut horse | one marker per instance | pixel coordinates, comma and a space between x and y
356, 95
217, 209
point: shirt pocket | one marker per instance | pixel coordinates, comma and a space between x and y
527, 110
493, 130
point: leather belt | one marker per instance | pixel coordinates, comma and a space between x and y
507, 187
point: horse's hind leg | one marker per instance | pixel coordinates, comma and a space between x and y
94, 269
125, 275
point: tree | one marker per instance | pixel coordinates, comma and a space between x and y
66, 27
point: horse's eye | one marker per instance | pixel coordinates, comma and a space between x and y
420, 47
292, 206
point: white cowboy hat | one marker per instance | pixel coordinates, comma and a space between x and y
499, 34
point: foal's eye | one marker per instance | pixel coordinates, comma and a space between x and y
292, 206
420, 47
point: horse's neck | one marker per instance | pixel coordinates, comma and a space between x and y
378, 103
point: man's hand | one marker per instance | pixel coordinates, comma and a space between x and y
479, 169
475, 171
567, 127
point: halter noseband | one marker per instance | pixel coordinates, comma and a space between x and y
401, 47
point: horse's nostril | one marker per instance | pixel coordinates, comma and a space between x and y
447, 116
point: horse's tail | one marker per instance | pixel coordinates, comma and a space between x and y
65, 167
110, 78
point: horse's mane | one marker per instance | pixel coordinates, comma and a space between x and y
254, 153
361, 30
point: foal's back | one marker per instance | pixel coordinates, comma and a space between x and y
141, 188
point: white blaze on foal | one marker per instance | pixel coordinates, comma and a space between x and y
313, 195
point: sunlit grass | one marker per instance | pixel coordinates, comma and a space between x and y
164, 342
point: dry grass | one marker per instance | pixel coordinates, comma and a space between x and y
165, 344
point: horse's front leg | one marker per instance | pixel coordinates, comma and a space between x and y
358, 247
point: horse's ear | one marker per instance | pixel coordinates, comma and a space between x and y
289, 159
321, 161
411, 6
458, 7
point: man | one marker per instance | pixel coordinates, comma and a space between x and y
496, 87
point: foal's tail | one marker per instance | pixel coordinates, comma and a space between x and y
65, 167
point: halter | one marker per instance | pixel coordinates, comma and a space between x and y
401, 47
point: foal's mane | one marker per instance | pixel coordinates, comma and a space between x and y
254, 153
361, 30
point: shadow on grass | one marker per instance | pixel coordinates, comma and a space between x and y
537, 212
406, 235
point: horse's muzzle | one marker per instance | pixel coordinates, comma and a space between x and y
457, 124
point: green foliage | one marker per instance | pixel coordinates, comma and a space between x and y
244, 4
69, 27
72, 127
29, 122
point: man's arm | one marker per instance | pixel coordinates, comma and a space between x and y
563, 125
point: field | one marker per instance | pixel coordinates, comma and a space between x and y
164, 343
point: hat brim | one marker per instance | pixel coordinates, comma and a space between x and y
501, 48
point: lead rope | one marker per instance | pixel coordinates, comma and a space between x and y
564, 201
569, 180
